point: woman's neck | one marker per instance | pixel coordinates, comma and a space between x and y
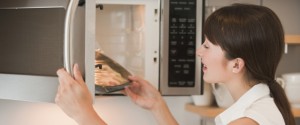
238, 88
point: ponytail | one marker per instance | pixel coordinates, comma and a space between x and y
281, 102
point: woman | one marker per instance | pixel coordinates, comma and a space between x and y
243, 46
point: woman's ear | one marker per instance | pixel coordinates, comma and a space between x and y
238, 65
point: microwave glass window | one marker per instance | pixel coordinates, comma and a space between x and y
31, 41
120, 35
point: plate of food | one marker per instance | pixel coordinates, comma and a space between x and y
110, 76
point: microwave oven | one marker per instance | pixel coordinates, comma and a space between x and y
154, 39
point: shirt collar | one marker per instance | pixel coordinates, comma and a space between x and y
237, 109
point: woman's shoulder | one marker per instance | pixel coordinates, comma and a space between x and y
265, 112
256, 105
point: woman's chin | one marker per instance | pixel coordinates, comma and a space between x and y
207, 79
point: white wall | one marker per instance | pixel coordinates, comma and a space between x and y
116, 110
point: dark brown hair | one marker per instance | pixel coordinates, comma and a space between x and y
255, 34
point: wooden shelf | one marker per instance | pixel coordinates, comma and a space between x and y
213, 111
204, 111
292, 39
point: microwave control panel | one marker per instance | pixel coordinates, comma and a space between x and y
182, 43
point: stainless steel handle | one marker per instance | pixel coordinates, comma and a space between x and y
71, 9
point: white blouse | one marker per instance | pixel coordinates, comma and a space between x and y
256, 104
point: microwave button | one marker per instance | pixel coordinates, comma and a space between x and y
186, 66
181, 83
173, 60
182, 25
191, 20
182, 37
173, 32
190, 83
174, 2
191, 3
191, 37
174, 20
187, 8
182, 20
183, 3
181, 43
173, 43
173, 26
191, 43
191, 32
190, 52
173, 51
177, 71
186, 72
182, 32
178, 8
173, 84
177, 66
190, 60
173, 37
181, 60
191, 26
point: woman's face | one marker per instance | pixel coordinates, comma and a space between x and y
215, 65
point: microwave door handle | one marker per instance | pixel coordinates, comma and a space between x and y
69, 18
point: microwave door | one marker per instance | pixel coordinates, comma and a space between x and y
31, 50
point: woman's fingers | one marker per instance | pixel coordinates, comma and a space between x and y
139, 81
63, 76
132, 95
77, 74
134, 87
134, 78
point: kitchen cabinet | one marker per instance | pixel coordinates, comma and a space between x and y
213, 111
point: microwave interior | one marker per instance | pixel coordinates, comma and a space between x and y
120, 34
137, 36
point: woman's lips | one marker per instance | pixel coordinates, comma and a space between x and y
204, 68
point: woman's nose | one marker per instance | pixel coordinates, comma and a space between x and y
199, 51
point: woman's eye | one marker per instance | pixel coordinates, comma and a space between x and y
205, 46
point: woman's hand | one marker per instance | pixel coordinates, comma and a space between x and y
143, 93
74, 98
